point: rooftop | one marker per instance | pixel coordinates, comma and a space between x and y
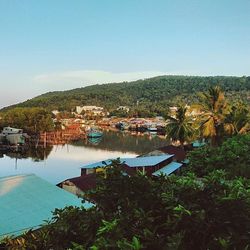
179, 152
169, 169
132, 162
85, 182
26, 201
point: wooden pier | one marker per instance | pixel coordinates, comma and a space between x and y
58, 137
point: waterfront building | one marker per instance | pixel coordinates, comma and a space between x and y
169, 169
79, 185
178, 152
147, 164
26, 201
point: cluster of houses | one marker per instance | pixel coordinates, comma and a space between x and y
95, 115
32, 199
166, 160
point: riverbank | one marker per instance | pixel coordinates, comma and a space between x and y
59, 162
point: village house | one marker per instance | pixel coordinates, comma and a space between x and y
149, 165
17, 192
178, 152
79, 185
146, 165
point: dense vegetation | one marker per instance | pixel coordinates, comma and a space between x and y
145, 97
207, 207
215, 120
32, 120
233, 156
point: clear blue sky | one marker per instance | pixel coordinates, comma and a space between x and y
58, 44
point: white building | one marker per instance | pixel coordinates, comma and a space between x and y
123, 108
55, 112
95, 110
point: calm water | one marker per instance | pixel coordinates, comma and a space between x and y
58, 163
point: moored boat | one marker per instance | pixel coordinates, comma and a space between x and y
93, 133
12, 136
94, 140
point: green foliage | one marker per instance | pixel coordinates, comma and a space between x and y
214, 107
138, 212
150, 95
32, 120
237, 121
180, 128
232, 156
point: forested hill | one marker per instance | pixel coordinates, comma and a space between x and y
153, 93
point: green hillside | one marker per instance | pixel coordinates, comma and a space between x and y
153, 94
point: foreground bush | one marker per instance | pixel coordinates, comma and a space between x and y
142, 213
233, 156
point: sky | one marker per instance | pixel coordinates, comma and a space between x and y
63, 44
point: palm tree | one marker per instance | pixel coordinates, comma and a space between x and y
237, 121
180, 128
214, 108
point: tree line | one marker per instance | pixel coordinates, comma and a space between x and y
217, 119
31, 120
147, 97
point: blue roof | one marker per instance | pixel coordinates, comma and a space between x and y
197, 144
98, 164
133, 162
167, 170
146, 161
27, 200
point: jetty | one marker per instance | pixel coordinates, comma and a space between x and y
61, 137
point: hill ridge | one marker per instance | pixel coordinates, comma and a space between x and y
149, 93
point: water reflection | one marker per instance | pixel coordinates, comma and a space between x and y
126, 142
61, 162
36, 154
95, 141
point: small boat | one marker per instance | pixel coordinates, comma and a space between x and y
152, 129
122, 126
93, 133
94, 140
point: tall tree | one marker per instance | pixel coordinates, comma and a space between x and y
32, 120
214, 107
237, 121
180, 128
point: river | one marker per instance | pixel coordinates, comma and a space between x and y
60, 162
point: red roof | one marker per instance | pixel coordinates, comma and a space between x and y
73, 126
178, 152
84, 182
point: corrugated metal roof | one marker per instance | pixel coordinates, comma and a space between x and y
146, 161
27, 200
197, 144
133, 162
98, 164
167, 170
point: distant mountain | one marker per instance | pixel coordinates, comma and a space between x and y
153, 93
